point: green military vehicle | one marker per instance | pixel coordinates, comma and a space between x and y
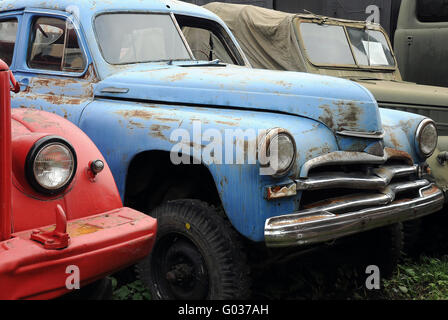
421, 41
355, 50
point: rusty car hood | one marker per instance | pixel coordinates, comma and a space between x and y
338, 103
402, 92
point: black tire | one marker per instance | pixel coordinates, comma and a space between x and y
197, 255
412, 231
383, 248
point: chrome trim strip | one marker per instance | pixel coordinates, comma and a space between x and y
340, 157
380, 179
357, 134
349, 157
297, 229
383, 197
114, 90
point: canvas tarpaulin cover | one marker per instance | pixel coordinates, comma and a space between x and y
267, 37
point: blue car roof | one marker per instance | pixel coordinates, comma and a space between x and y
93, 7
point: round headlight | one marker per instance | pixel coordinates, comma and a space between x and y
280, 152
426, 137
51, 165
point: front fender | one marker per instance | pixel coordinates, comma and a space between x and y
399, 131
133, 128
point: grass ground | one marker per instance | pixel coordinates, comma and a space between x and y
335, 273
424, 279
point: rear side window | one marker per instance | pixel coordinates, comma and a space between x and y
432, 10
8, 33
54, 46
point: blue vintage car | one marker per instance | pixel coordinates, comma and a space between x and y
225, 156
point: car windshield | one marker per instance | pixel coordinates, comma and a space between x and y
126, 38
327, 44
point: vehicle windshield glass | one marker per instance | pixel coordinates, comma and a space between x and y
327, 44
370, 47
126, 38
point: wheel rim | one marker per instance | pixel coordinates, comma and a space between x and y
179, 270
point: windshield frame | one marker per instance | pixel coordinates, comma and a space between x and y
349, 24
149, 12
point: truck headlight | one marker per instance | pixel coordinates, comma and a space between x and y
426, 138
278, 151
51, 165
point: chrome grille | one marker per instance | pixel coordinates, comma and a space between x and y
338, 187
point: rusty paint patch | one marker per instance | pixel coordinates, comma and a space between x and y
228, 123
156, 131
133, 124
277, 192
134, 114
90, 74
303, 220
431, 191
327, 116
61, 99
177, 76
76, 230
283, 84
398, 155
162, 119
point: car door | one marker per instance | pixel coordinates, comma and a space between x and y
421, 41
53, 66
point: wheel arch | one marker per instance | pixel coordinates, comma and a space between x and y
152, 178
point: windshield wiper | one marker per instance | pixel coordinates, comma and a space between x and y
170, 61
213, 63
362, 78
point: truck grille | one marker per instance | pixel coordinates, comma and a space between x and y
340, 187
344, 193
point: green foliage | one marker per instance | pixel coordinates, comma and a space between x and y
130, 291
426, 279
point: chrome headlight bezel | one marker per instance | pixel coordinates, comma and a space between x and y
34, 152
419, 135
264, 150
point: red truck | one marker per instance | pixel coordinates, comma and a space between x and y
60, 210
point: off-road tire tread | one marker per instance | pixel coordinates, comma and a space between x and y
221, 239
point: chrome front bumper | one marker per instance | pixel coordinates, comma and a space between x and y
319, 224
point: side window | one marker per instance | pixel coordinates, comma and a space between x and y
54, 46
8, 33
432, 10
208, 40
205, 45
